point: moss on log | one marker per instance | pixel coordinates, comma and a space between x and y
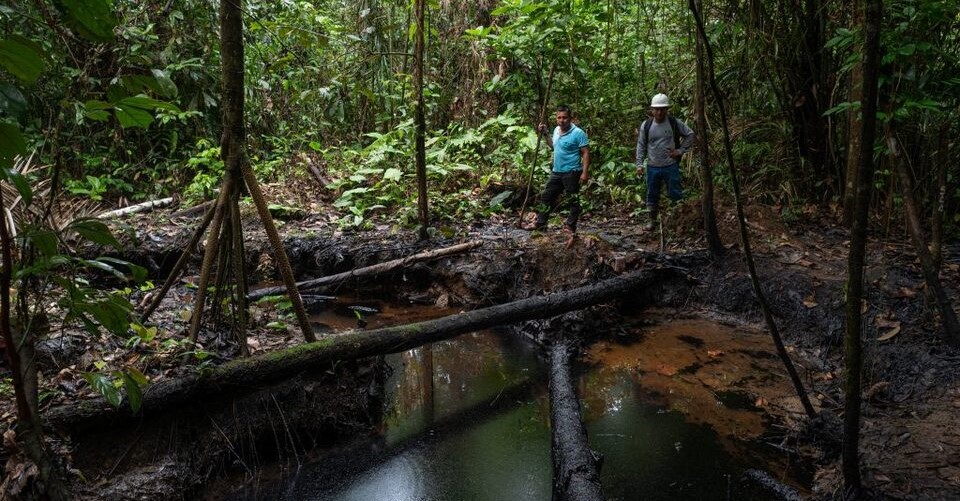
244, 375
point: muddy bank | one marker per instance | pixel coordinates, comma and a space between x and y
913, 390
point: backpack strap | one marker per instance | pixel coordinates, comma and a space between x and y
646, 131
673, 126
676, 135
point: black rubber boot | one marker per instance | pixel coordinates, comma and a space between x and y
652, 221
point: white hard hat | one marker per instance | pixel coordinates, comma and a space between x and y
660, 101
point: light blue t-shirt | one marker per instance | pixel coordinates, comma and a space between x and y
566, 149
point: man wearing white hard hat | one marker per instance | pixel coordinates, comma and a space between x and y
662, 141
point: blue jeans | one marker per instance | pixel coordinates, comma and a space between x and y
659, 175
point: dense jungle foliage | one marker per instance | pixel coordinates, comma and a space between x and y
118, 101
123, 98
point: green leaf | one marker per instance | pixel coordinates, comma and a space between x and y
91, 19
20, 60
134, 394
12, 101
392, 174
45, 241
165, 85
137, 111
11, 144
132, 116
138, 273
104, 267
104, 386
146, 334
95, 231
23, 187
111, 313
136, 374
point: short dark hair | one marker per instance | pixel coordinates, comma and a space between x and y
563, 107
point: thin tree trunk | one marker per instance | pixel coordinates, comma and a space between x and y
951, 328
853, 361
231, 36
712, 234
853, 130
180, 265
744, 236
243, 375
536, 152
423, 213
209, 254
940, 205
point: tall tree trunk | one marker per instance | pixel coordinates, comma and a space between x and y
853, 130
423, 213
744, 236
931, 273
853, 360
710, 230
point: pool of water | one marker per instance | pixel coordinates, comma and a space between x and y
468, 419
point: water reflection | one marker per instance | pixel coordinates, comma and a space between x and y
468, 419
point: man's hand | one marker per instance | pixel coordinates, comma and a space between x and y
675, 154
584, 177
542, 128
639, 171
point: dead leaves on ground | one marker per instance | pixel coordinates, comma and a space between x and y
889, 324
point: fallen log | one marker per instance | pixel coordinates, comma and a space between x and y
576, 468
133, 209
771, 486
244, 375
369, 270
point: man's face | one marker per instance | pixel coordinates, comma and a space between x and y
659, 114
563, 120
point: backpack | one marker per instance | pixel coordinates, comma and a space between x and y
673, 125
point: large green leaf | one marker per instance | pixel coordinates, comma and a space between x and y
23, 187
113, 314
134, 394
138, 273
20, 59
165, 86
11, 144
137, 111
12, 101
104, 386
91, 19
97, 110
45, 241
95, 231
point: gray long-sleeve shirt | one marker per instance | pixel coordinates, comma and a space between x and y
661, 143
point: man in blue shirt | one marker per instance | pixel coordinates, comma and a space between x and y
662, 141
571, 160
